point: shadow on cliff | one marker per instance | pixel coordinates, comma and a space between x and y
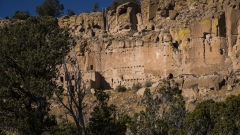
101, 82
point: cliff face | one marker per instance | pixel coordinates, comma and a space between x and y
195, 41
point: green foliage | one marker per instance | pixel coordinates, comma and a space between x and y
149, 121
104, 119
120, 88
29, 54
199, 121
148, 83
116, 3
215, 118
50, 8
164, 112
136, 86
21, 15
70, 12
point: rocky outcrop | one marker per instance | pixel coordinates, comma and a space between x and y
194, 41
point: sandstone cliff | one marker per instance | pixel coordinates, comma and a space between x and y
194, 41
197, 42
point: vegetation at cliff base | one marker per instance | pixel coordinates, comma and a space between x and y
105, 119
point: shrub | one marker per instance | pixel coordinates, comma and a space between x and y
136, 86
120, 88
148, 83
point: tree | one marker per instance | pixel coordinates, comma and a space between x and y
70, 12
50, 8
199, 121
75, 92
96, 7
164, 111
29, 54
210, 117
149, 121
22, 15
105, 119
229, 121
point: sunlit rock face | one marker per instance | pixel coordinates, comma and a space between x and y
197, 42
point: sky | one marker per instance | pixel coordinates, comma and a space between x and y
8, 7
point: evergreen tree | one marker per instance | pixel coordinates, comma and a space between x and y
70, 12
22, 15
164, 112
29, 54
215, 118
199, 121
104, 119
50, 8
149, 121
228, 121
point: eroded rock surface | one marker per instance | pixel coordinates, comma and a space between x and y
197, 42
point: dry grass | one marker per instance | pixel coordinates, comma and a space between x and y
129, 102
126, 102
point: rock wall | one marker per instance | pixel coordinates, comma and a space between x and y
195, 41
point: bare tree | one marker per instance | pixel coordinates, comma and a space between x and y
72, 95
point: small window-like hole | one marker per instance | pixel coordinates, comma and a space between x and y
170, 76
153, 28
221, 51
61, 79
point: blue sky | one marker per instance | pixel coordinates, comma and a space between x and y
8, 7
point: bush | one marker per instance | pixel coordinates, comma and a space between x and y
121, 88
21, 15
148, 83
136, 86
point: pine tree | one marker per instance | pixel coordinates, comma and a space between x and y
164, 112
50, 8
104, 119
22, 15
29, 54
